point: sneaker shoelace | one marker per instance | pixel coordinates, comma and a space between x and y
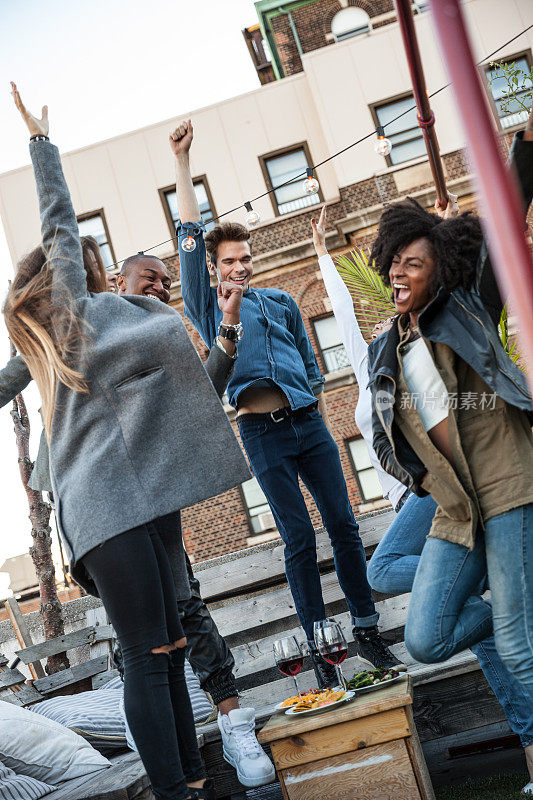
246, 741
377, 642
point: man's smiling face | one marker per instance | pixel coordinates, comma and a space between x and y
145, 275
234, 263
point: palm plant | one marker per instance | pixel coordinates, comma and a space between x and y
373, 298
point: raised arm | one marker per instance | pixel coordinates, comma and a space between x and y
341, 303
13, 379
59, 227
521, 159
198, 297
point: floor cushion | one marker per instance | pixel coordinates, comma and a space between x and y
31, 744
21, 787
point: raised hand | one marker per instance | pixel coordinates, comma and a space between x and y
181, 138
35, 126
319, 232
229, 297
452, 207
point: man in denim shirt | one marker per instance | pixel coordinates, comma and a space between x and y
277, 390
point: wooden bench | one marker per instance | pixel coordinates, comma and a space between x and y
249, 599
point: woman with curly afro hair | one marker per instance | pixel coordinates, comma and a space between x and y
452, 418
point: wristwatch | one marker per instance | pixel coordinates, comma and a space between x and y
232, 333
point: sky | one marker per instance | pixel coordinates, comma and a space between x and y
103, 68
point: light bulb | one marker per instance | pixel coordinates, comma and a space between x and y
383, 146
252, 217
188, 244
311, 185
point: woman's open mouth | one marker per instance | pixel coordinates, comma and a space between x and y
402, 292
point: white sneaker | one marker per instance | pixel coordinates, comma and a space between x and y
242, 750
528, 789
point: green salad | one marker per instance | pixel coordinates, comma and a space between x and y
371, 677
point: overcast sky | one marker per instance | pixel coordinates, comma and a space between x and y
103, 68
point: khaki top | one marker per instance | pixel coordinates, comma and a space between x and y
491, 442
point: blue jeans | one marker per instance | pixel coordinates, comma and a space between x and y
392, 570
279, 452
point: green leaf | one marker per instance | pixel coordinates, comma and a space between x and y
372, 297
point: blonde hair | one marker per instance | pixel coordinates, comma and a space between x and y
50, 338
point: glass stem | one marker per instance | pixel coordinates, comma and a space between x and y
340, 676
297, 687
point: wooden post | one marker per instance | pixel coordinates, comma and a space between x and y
41, 552
23, 635
426, 117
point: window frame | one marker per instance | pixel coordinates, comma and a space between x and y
395, 99
283, 151
99, 213
249, 516
172, 188
485, 68
313, 322
356, 473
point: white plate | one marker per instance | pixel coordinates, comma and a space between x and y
344, 699
380, 685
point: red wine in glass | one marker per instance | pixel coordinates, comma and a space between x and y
334, 655
291, 666
289, 658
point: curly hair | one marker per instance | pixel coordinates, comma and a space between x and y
456, 242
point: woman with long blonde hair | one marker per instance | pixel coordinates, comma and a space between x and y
136, 431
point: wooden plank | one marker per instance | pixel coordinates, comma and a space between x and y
3, 660
260, 567
104, 677
414, 748
344, 737
10, 677
382, 772
102, 646
250, 614
23, 634
280, 726
67, 676
25, 696
60, 644
256, 656
125, 773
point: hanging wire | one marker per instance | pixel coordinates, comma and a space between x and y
372, 133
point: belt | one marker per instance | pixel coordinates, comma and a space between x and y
279, 414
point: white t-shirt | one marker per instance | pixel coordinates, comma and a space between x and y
357, 350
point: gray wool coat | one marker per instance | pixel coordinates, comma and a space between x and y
151, 436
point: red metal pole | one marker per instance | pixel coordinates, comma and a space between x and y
499, 196
426, 117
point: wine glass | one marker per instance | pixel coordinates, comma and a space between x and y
289, 658
331, 645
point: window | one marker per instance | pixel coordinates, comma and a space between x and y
205, 202
367, 477
419, 6
512, 114
260, 516
94, 225
405, 135
350, 22
329, 340
284, 166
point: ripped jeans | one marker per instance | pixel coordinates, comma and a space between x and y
134, 580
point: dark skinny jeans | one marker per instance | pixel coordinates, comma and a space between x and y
134, 580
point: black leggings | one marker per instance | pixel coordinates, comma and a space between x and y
134, 580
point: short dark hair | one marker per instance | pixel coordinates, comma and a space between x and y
227, 232
456, 242
130, 262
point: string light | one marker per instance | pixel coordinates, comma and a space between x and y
311, 185
252, 217
383, 146
188, 243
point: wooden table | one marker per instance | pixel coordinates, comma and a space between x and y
367, 749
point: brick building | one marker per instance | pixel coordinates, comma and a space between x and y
330, 71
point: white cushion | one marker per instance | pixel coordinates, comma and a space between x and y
21, 787
94, 715
32, 745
